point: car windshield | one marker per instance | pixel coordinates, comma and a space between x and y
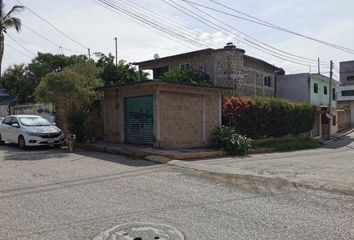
34, 121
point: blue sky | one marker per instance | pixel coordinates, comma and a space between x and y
95, 26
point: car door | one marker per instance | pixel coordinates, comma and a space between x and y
4, 129
14, 132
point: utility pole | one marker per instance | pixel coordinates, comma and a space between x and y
329, 110
319, 68
116, 41
89, 53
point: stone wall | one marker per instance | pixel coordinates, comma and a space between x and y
230, 68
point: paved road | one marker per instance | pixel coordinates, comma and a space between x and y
51, 194
329, 168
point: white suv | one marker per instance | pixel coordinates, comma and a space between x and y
29, 130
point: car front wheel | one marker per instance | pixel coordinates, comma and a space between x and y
21, 142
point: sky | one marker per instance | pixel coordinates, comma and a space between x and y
95, 27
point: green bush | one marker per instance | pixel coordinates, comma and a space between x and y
268, 117
233, 142
79, 123
187, 76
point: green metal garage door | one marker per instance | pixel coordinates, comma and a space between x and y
139, 120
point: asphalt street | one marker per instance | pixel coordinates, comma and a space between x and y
53, 194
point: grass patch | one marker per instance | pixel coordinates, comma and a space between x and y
288, 145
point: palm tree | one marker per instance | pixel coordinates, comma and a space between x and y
7, 20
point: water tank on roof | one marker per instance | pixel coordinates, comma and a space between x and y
230, 45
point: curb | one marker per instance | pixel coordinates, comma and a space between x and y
249, 179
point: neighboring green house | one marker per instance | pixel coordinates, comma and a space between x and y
314, 89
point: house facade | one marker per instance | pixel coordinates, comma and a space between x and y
161, 114
346, 95
313, 89
227, 67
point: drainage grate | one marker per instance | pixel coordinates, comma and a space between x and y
140, 231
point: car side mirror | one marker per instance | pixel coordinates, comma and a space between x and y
15, 125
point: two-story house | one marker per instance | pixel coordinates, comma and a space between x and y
314, 89
227, 67
346, 95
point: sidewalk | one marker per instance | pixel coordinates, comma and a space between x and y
330, 168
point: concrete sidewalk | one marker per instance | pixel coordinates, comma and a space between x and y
330, 168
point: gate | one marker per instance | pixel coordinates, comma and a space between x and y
139, 120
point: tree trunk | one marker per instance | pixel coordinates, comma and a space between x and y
1, 49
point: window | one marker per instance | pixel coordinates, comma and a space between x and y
325, 90
347, 93
268, 81
185, 66
350, 78
315, 88
333, 94
7, 121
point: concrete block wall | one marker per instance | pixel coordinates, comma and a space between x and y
184, 116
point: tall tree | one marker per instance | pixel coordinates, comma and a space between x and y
17, 81
112, 74
7, 20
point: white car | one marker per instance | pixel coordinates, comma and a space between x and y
30, 130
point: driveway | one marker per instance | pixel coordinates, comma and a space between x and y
52, 194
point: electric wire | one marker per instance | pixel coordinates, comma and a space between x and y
271, 25
48, 40
18, 43
18, 51
163, 34
148, 22
226, 32
54, 27
162, 18
297, 57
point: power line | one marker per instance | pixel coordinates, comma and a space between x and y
26, 49
162, 18
54, 27
297, 57
271, 25
150, 23
15, 49
226, 32
163, 34
47, 39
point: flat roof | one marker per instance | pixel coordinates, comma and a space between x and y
160, 81
203, 51
173, 56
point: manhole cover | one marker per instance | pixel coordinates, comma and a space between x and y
140, 231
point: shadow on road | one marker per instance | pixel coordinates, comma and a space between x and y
13, 153
345, 141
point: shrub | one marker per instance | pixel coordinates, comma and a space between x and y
80, 124
233, 142
268, 117
187, 76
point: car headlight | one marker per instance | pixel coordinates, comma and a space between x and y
34, 134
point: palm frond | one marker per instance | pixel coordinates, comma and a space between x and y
12, 22
14, 10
